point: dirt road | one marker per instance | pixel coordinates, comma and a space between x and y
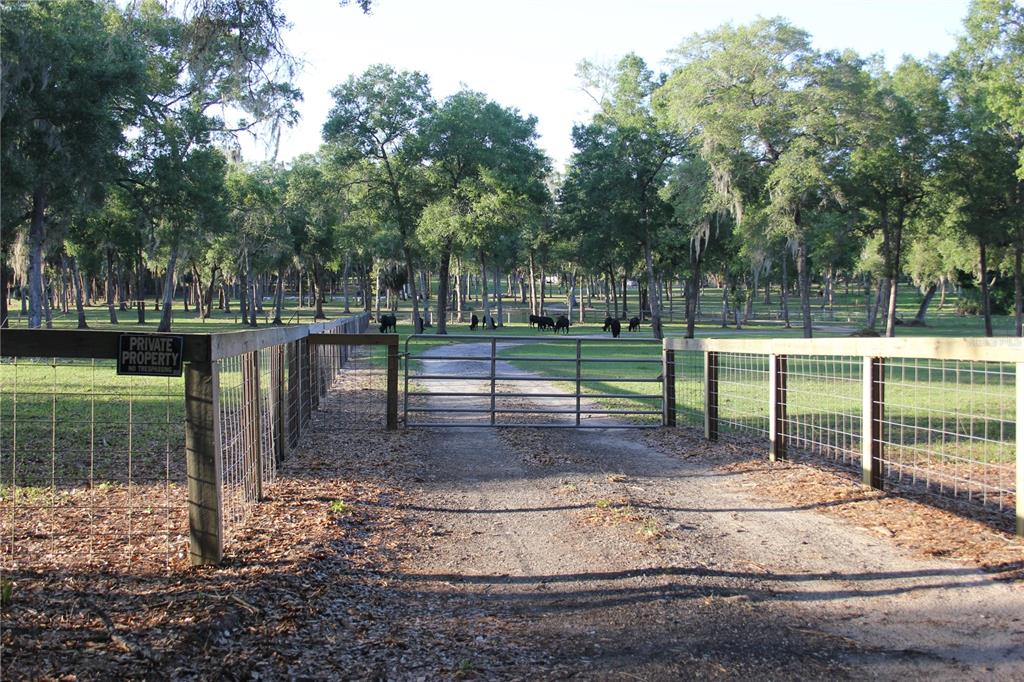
613, 559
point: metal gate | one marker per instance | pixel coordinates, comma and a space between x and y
542, 381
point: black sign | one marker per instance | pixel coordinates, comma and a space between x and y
150, 355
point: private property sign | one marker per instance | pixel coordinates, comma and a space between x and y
150, 355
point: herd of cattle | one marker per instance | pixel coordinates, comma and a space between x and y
541, 322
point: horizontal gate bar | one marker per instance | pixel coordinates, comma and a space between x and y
442, 425
455, 377
533, 339
526, 358
516, 410
455, 394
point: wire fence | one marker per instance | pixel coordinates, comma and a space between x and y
942, 426
89, 464
92, 472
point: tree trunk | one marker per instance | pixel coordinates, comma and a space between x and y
318, 291
279, 296
692, 297
344, 280
890, 311
986, 309
165, 314
883, 295
625, 302
411, 278
543, 289
922, 309
77, 285
533, 285
942, 293
36, 235
208, 306
653, 295
139, 294
5, 275
725, 304
443, 273
488, 320
1018, 290
784, 290
804, 282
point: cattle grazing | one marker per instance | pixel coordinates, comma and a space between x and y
616, 329
634, 324
534, 319
545, 323
562, 324
473, 322
607, 323
388, 322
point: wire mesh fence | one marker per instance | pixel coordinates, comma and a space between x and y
949, 427
943, 427
90, 466
743, 392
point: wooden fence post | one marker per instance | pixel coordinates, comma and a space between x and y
203, 463
294, 394
278, 402
391, 419
711, 395
1019, 453
255, 421
871, 421
777, 369
668, 387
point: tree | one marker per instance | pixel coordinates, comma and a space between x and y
373, 117
70, 81
468, 135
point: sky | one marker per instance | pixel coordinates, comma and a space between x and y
523, 54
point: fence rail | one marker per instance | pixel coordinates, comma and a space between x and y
938, 415
83, 448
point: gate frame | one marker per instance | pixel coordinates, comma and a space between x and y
667, 409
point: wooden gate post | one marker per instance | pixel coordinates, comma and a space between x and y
391, 419
1019, 454
203, 463
668, 387
711, 395
777, 370
579, 372
872, 413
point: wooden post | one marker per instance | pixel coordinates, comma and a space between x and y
1019, 490
871, 421
255, 421
203, 463
307, 381
711, 395
294, 394
777, 370
278, 402
668, 387
391, 419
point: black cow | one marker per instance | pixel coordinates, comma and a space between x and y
562, 323
388, 322
473, 322
634, 324
534, 319
607, 323
616, 329
545, 323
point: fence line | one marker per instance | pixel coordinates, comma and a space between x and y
90, 461
938, 415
